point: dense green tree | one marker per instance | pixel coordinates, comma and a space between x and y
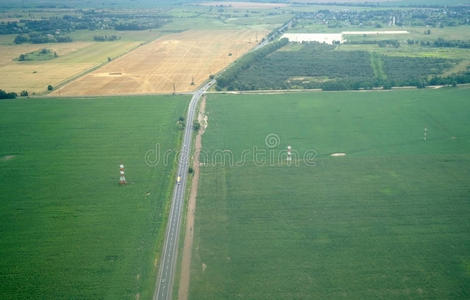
5, 95
196, 125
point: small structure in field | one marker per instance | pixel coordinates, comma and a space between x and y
338, 154
122, 178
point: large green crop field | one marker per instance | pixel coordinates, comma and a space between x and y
67, 229
390, 220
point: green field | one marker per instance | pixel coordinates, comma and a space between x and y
390, 220
415, 33
68, 230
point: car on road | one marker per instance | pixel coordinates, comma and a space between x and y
178, 180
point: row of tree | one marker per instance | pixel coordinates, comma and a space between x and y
106, 38
380, 43
6, 95
441, 43
38, 38
351, 84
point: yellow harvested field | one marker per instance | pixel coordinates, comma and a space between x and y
74, 59
10, 52
174, 59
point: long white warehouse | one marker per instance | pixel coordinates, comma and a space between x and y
330, 38
327, 38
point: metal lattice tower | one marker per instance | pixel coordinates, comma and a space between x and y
122, 178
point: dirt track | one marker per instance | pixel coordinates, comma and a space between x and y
189, 234
173, 60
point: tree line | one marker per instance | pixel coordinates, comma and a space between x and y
441, 43
6, 95
438, 43
380, 43
41, 38
106, 38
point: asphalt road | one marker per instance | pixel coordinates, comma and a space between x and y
166, 271
267, 41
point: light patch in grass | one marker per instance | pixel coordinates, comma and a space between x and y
8, 157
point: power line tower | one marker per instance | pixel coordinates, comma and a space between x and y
122, 178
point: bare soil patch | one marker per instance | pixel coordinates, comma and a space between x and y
189, 235
173, 61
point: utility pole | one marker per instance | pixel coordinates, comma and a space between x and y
122, 178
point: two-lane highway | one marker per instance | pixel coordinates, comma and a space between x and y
164, 285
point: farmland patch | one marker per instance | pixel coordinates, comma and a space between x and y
388, 220
68, 229
176, 62
73, 59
